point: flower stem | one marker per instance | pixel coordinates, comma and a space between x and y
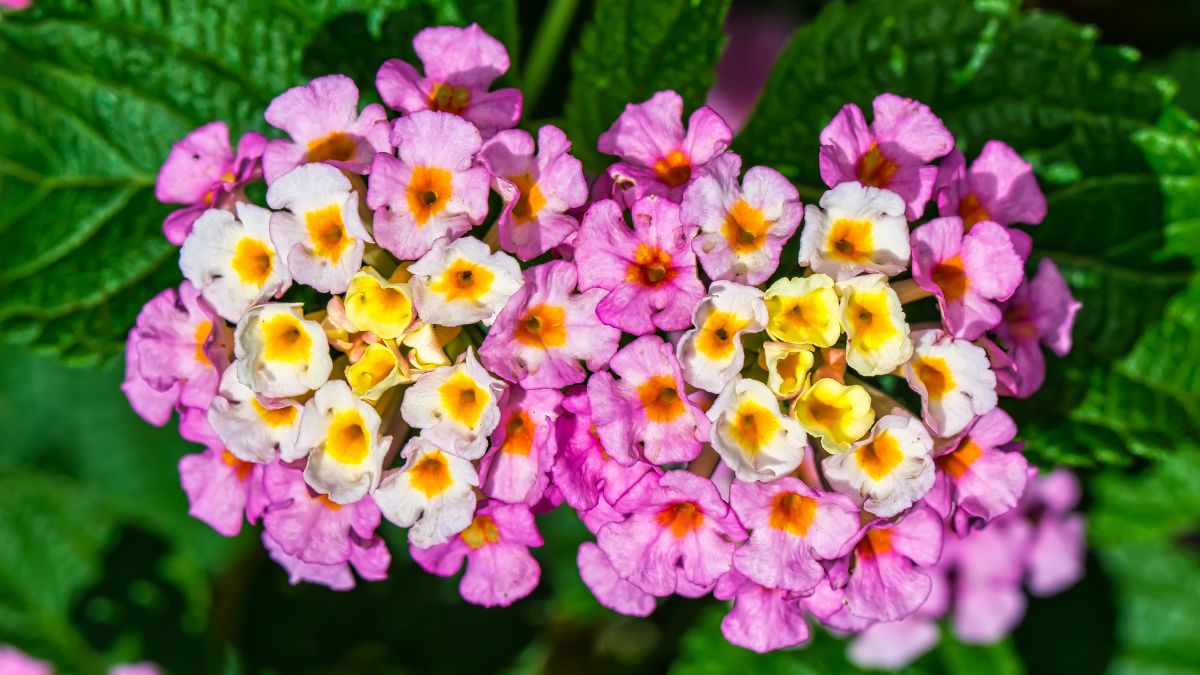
547, 44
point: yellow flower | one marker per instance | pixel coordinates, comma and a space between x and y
835, 413
787, 367
803, 311
377, 305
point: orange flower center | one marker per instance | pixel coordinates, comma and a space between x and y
481, 532
337, 146
449, 98
681, 519
793, 513
674, 169
660, 398
951, 278
874, 169
651, 267
543, 326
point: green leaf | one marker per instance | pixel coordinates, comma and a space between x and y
632, 49
1144, 528
92, 95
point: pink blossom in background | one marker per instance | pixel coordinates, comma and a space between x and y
756, 36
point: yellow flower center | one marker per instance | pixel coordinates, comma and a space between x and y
871, 319
337, 146
879, 457
951, 278
935, 374
745, 228
518, 434
203, 330
449, 98
543, 326
716, 339
874, 169
651, 267
252, 261
674, 169
431, 474
347, 440
660, 398
957, 463
327, 232
285, 340
972, 211
850, 240
463, 399
793, 513
275, 417
753, 426
429, 190
240, 469
681, 519
876, 543
463, 280
531, 200
481, 532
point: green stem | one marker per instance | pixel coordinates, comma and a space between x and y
546, 46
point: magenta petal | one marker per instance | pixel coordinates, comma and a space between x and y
194, 165
610, 589
337, 577
893, 645
467, 57
843, 141
216, 489
761, 619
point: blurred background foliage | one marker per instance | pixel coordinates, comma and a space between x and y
99, 561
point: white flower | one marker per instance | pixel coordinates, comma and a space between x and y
888, 471
876, 332
322, 238
856, 229
751, 435
456, 407
711, 354
252, 430
280, 353
232, 261
432, 493
340, 436
953, 377
463, 282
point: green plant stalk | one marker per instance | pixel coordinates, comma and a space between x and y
547, 44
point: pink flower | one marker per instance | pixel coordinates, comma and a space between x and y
998, 186
762, 619
202, 171
649, 272
370, 559
646, 414
325, 125
609, 588
311, 527
1056, 554
433, 189
16, 662
968, 272
16, 4
500, 569
679, 537
987, 568
742, 228
222, 490
583, 471
984, 473
894, 153
181, 345
523, 447
895, 644
538, 191
1041, 312
149, 403
792, 528
546, 330
657, 156
884, 582
460, 65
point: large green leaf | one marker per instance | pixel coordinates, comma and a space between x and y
1070, 105
92, 95
1145, 531
631, 50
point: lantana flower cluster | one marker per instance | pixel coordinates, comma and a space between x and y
712, 374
